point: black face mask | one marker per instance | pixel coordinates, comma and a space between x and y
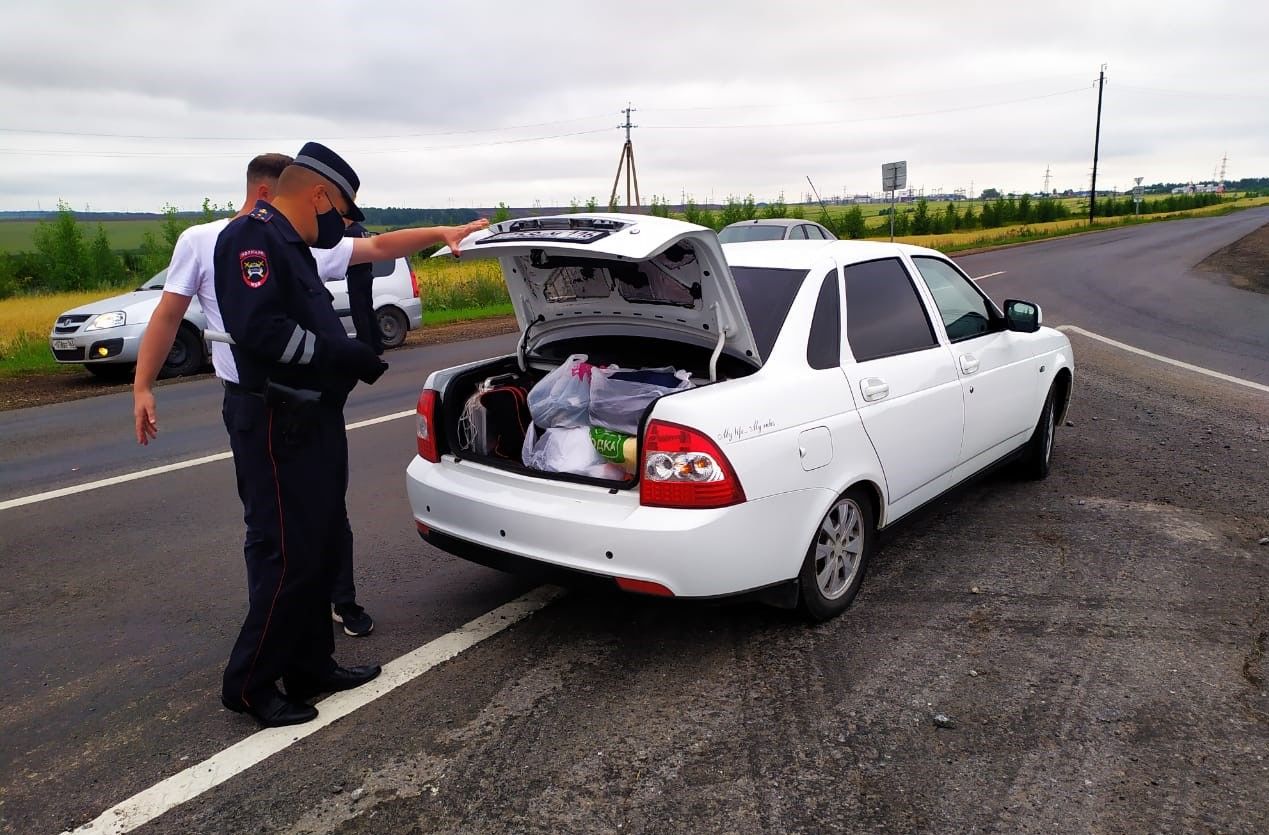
330, 228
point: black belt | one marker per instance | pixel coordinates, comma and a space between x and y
238, 388
278, 395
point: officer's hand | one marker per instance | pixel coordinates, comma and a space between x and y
454, 235
355, 358
370, 378
144, 416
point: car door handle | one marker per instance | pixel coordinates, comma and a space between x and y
874, 388
969, 363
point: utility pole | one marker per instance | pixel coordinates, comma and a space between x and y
627, 160
1046, 181
1097, 138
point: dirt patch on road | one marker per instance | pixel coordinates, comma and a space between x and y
1245, 261
75, 383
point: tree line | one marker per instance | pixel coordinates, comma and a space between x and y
67, 259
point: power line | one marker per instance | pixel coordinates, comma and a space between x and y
824, 122
44, 132
43, 152
1202, 93
884, 96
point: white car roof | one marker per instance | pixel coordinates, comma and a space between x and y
802, 255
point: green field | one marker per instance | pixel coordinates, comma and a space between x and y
19, 235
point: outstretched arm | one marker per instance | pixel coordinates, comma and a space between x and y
403, 243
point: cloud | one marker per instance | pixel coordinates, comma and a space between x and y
129, 106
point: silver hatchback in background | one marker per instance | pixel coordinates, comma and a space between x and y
104, 336
774, 229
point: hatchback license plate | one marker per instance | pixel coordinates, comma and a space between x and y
63, 344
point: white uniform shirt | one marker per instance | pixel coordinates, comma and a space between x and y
193, 273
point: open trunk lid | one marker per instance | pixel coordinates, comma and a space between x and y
618, 274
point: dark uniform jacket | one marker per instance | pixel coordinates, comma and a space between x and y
276, 308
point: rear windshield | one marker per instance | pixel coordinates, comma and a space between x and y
752, 232
767, 295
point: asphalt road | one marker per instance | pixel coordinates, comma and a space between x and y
1097, 637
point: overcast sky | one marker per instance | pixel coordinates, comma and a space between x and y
126, 106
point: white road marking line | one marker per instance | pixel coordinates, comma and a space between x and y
147, 805
372, 421
166, 468
989, 275
1187, 366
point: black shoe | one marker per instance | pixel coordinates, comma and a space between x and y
341, 678
356, 622
272, 710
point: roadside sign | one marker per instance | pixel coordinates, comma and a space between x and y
894, 175
1137, 192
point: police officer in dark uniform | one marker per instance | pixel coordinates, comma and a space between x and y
286, 429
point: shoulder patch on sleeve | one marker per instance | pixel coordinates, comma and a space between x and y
255, 267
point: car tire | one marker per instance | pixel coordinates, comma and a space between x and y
1038, 453
112, 372
393, 326
186, 356
838, 556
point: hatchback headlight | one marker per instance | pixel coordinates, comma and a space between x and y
107, 320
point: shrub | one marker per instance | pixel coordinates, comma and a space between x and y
659, 208
921, 223
60, 244
732, 211
853, 225
776, 208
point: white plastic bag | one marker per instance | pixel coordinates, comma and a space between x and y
567, 451
561, 399
617, 403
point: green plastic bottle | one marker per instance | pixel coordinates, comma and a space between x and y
609, 444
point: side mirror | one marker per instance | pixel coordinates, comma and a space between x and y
1021, 316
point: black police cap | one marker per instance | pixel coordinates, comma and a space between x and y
317, 157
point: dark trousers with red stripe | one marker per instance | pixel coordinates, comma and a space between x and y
292, 472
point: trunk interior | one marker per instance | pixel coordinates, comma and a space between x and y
509, 422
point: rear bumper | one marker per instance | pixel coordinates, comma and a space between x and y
500, 515
783, 594
413, 310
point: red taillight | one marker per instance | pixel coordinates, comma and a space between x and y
684, 468
414, 280
643, 587
425, 426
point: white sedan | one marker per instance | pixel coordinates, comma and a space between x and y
835, 386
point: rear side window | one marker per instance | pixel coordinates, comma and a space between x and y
884, 314
383, 268
824, 345
767, 295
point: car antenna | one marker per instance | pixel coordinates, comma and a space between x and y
823, 208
